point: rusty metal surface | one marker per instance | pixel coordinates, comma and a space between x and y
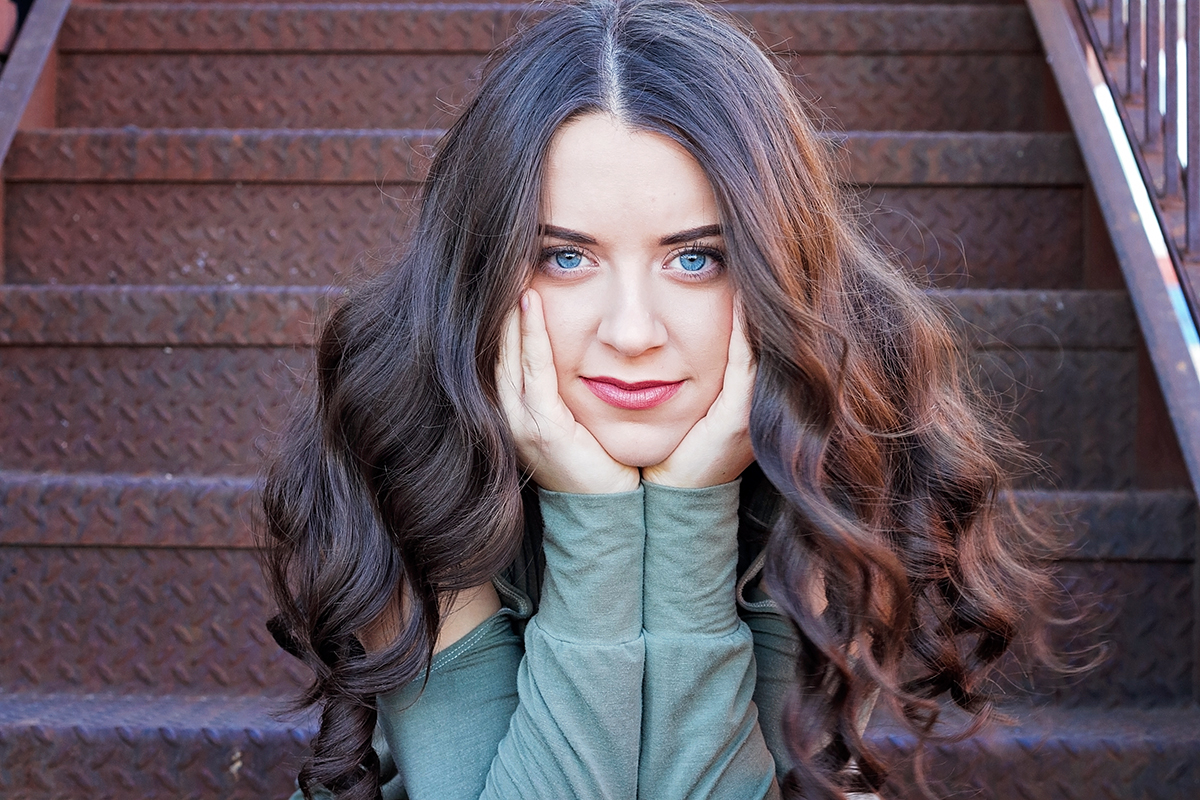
200, 316
1129, 526
1042, 320
209, 410
908, 29
477, 28
1062, 755
386, 157
980, 236
24, 63
289, 234
1075, 408
1141, 617
1166, 331
138, 621
143, 409
278, 235
447, 28
961, 91
951, 158
135, 510
1079, 754
1147, 618
228, 156
190, 621
150, 747
158, 315
243, 90
206, 512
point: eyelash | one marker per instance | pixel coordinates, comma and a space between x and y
709, 252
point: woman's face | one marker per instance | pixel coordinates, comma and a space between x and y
638, 304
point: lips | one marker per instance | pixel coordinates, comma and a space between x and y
632, 396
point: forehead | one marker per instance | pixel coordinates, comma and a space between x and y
603, 173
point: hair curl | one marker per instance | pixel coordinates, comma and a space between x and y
884, 474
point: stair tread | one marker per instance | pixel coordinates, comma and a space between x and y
152, 711
231, 747
192, 511
478, 27
100, 710
223, 155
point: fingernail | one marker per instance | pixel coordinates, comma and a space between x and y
525, 301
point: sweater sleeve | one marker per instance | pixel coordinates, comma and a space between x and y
561, 720
700, 732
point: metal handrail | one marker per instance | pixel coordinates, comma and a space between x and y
1134, 202
1139, 44
33, 47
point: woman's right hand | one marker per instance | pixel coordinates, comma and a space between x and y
559, 453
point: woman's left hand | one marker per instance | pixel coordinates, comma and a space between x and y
717, 448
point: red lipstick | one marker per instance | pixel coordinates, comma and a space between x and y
632, 396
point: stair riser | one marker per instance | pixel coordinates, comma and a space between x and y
1050, 762
1080, 757
208, 411
139, 620
298, 234
1139, 622
939, 91
1000, 764
151, 512
88, 761
132, 620
140, 410
477, 28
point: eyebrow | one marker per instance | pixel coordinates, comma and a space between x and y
691, 234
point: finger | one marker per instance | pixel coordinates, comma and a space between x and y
509, 384
740, 369
741, 356
537, 359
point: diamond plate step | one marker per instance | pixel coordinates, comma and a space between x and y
478, 27
1082, 754
151, 746
387, 157
139, 620
74, 747
363, 66
122, 583
296, 207
191, 380
123, 510
285, 316
288, 234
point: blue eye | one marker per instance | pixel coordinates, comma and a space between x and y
568, 259
693, 262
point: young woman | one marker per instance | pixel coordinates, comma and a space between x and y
640, 474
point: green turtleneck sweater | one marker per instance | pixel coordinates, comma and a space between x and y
635, 678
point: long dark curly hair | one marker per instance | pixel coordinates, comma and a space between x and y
884, 476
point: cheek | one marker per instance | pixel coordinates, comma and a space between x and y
565, 327
703, 333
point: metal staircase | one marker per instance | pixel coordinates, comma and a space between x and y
207, 171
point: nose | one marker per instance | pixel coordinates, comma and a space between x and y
631, 323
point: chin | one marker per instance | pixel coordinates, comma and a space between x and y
640, 449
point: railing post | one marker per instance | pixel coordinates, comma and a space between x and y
1133, 50
1153, 76
1171, 134
1116, 24
1192, 202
